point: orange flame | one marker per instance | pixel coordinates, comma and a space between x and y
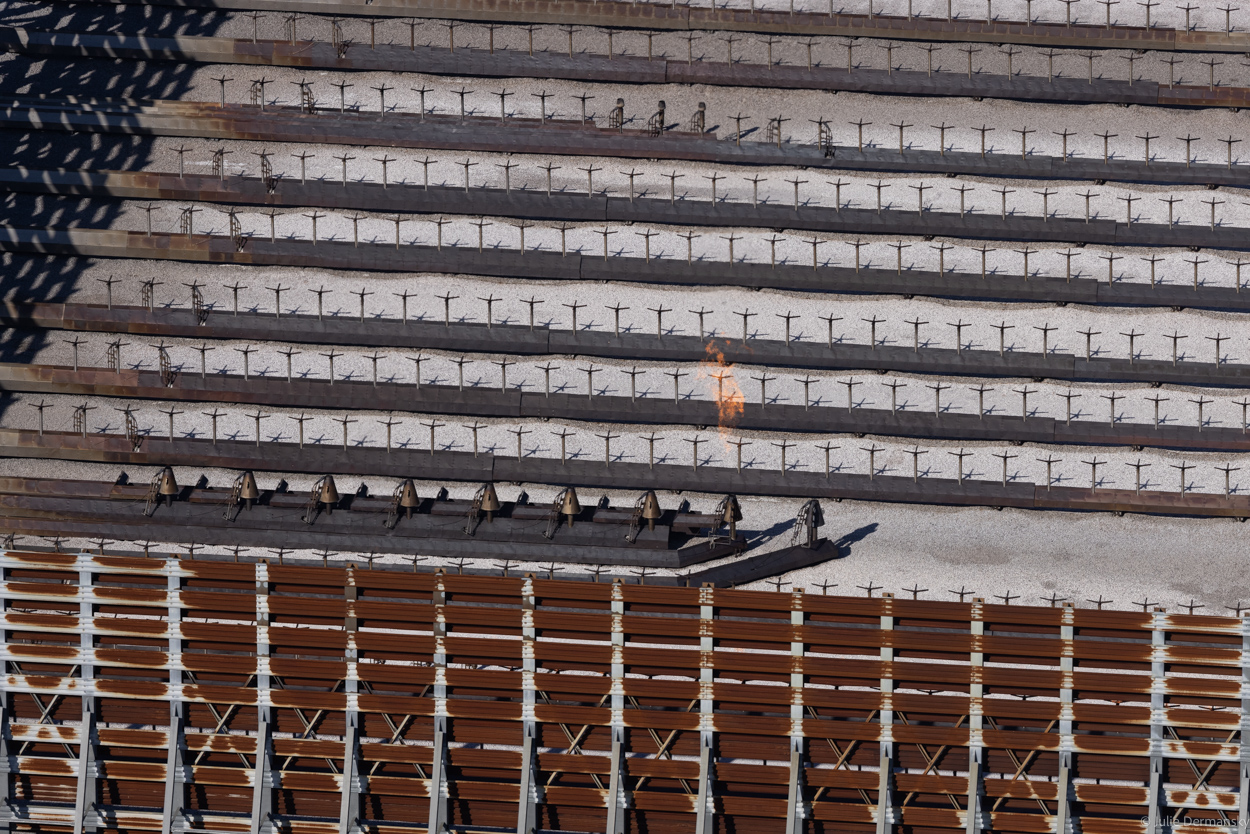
724, 389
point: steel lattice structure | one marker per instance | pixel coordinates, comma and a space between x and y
179, 695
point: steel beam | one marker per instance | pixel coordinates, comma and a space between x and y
618, 797
528, 795
85, 793
175, 778
705, 807
1243, 782
974, 821
438, 791
263, 775
885, 784
713, 19
1067, 742
448, 399
6, 697
1064, 820
1157, 798
476, 337
349, 798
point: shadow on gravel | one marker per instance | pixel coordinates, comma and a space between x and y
51, 279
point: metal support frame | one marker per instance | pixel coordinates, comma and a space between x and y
85, 794
705, 810
885, 785
975, 820
796, 806
529, 794
175, 776
349, 803
1157, 798
263, 775
1067, 744
618, 799
438, 771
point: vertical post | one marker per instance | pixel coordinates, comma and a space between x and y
175, 777
617, 798
438, 772
6, 782
796, 806
349, 804
1067, 633
1156, 798
263, 776
705, 811
84, 801
885, 785
975, 821
1243, 797
528, 798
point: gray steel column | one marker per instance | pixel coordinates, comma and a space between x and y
85, 794
175, 775
618, 798
796, 806
6, 780
262, 776
975, 820
1064, 823
438, 773
1156, 797
1243, 787
349, 802
885, 784
530, 792
705, 810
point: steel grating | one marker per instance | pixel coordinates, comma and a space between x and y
153, 694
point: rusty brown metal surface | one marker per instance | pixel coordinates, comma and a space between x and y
311, 673
656, 16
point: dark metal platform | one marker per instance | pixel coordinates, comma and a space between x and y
442, 527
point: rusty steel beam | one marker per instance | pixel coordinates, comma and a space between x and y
502, 63
452, 400
465, 467
566, 137
199, 248
687, 17
467, 337
403, 199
